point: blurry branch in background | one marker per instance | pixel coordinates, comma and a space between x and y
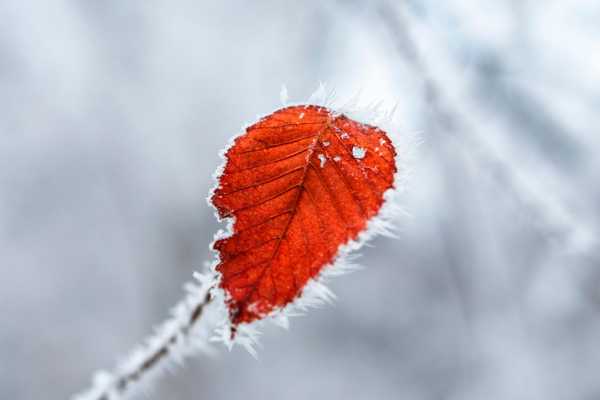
184, 334
549, 215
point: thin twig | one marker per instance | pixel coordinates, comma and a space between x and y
550, 215
175, 339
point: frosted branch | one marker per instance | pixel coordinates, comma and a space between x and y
186, 332
549, 213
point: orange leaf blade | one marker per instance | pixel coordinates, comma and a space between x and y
300, 183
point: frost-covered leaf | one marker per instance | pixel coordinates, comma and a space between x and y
300, 183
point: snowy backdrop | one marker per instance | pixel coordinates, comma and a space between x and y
111, 117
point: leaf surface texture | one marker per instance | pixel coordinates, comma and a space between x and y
300, 183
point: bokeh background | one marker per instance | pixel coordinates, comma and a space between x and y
111, 117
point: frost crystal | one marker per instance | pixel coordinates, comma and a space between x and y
283, 95
358, 152
322, 159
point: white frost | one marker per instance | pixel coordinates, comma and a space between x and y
177, 337
283, 95
358, 152
322, 159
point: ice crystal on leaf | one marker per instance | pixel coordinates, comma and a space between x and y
359, 153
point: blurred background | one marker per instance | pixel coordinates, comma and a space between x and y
111, 117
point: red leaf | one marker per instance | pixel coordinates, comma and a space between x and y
300, 183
